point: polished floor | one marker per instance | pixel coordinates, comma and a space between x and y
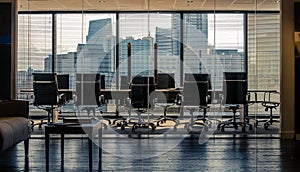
162, 154
161, 150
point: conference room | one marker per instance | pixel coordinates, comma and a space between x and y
151, 84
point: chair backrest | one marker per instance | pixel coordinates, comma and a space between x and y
165, 80
124, 82
102, 81
139, 79
195, 89
140, 92
45, 89
235, 87
88, 89
63, 81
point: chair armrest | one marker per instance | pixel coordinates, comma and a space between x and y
62, 99
179, 99
16, 108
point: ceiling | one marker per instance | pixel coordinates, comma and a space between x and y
145, 5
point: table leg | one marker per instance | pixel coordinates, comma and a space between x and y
90, 154
47, 149
62, 147
100, 147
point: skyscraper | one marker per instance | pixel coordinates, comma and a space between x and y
97, 55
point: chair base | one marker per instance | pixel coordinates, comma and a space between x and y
267, 122
143, 125
135, 125
137, 122
233, 121
39, 124
164, 119
235, 125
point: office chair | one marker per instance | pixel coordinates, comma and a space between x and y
234, 95
165, 81
63, 81
63, 84
195, 97
88, 92
46, 95
141, 101
270, 102
122, 102
251, 100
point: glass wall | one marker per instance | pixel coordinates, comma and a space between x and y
213, 43
89, 43
142, 31
263, 56
86, 44
34, 47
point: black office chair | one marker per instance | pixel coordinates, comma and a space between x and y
234, 95
88, 92
63, 84
270, 102
195, 97
118, 120
63, 81
46, 95
165, 81
141, 102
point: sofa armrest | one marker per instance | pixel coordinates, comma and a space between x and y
16, 108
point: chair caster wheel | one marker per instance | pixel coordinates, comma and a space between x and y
266, 126
119, 124
152, 127
235, 126
175, 128
157, 124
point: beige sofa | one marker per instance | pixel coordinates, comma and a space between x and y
14, 124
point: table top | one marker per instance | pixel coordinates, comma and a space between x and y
73, 128
261, 90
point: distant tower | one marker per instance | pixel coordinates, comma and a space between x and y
97, 55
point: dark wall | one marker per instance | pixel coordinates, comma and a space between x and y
5, 51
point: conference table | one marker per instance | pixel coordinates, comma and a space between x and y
169, 93
114, 93
124, 93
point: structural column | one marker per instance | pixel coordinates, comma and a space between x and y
287, 78
8, 37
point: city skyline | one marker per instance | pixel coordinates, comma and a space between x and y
204, 51
69, 42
